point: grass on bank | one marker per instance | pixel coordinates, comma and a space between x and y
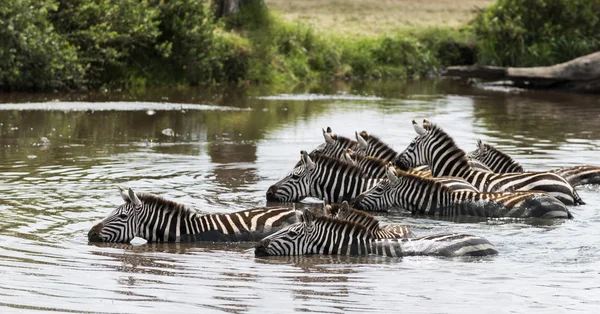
372, 18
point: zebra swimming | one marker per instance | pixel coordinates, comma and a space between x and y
429, 197
500, 162
157, 219
331, 236
434, 147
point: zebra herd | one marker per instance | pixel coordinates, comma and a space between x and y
431, 177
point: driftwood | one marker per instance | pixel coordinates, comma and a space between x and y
578, 75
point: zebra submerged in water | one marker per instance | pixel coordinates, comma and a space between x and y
157, 219
332, 236
343, 211
500, 162
429, 197
437, 149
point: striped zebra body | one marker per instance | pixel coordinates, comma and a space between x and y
429, 197
390, 231
332, 236
500, 162
438, 150
157, 219
377, 168
325, 178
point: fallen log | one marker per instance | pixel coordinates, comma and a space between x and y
578, 75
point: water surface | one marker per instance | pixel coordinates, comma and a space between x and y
225, 149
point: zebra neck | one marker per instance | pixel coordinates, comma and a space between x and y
166, 225
449, 161
338, 183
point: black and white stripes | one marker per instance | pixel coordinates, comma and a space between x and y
437, 149
159, 220
429, 197
331, 236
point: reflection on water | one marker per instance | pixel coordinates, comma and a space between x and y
228, 147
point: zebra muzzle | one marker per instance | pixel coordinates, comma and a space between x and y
94, 233
261, 248
271, 192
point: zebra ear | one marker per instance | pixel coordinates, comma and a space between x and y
135, 201
327, 136
327, 210
480, 145
391, 174
329, 130
308, 217
124, 195
418, 128
310, 165
426, 124
361, 141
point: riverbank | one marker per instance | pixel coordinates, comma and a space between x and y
76, 45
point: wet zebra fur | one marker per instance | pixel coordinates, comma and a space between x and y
390, 231
428, 197
323, 177
377, 168
371, 145
438, 150
157, 219
500, 162
331, 236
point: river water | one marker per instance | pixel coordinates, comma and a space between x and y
227, 147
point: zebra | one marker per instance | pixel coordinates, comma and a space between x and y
370, 145
331, 236
345, 212
429, 197
157, 219
377, 168
500, 162
322, 177
438, 150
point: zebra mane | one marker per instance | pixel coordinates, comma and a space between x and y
370, 160
340, 223
327, 161
441, 134
344, 140
159, 202
491, 150
368, 220
423, 182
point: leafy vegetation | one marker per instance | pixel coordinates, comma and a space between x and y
65, 45
537, 32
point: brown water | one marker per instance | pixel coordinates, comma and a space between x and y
227, 149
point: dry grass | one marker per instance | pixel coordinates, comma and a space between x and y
368, 17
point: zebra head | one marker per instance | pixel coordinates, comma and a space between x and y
121, 225
381, 196
414, 155
296, 185
291, 240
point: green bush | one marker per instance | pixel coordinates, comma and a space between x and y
32, 55
537, 32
